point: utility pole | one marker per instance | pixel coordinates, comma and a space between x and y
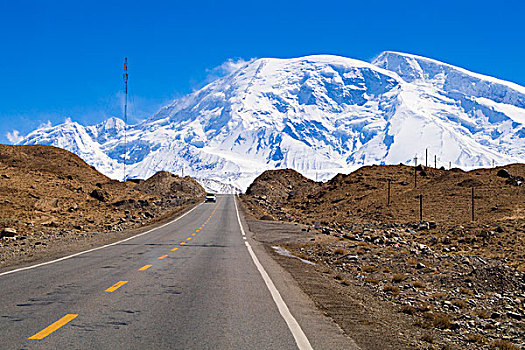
389, 182
415, 171
435, 161
473, 204
420, 207
426, 157
125, 76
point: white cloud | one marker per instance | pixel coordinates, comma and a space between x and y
45, 125
14, 136
230, 66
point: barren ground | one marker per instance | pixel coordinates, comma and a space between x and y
53, 203
448, 281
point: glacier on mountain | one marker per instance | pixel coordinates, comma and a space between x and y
320, 115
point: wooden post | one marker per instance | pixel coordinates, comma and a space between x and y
420, 207
388, 202
435, 161
426, 157
472, 203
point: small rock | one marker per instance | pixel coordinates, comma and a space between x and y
420, 266
495, 315
515, 316
423, 225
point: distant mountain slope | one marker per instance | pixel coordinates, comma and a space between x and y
319, 115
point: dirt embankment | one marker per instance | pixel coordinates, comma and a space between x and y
459, 281
49, 197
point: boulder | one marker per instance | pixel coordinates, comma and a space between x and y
503, 173
8, 232
99, 195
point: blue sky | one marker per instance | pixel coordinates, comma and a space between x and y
63, 59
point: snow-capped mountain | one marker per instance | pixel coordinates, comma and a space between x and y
319, 115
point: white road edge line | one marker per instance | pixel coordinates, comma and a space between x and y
98, 248
300, 338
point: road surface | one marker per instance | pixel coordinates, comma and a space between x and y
195, 283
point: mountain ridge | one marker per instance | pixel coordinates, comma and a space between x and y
320, 115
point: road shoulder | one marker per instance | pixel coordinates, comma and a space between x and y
321, 330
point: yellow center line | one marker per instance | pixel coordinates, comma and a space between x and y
163, 256
145, 267
53, 327
188, 239
116, 286
182, 243
174, 249
197, 230
193, 234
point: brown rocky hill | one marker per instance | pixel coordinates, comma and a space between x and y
362, 198
48, 189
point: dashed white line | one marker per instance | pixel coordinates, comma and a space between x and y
300, 338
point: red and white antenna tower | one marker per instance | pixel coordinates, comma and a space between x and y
125, 76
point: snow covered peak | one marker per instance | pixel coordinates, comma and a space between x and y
108, 129
320, 115
451, 79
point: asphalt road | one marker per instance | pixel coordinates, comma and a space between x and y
191, 284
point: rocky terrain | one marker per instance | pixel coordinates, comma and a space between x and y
459, 282
50, 197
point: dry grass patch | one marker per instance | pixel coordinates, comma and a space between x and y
398, 277
438, 295
439, 320
419, 284
427, 337
408, 309
475, 338
392, 289
501, 344
369, 269
340, 251
372, 280
466, 291
482, 313
412, 262
459, 303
